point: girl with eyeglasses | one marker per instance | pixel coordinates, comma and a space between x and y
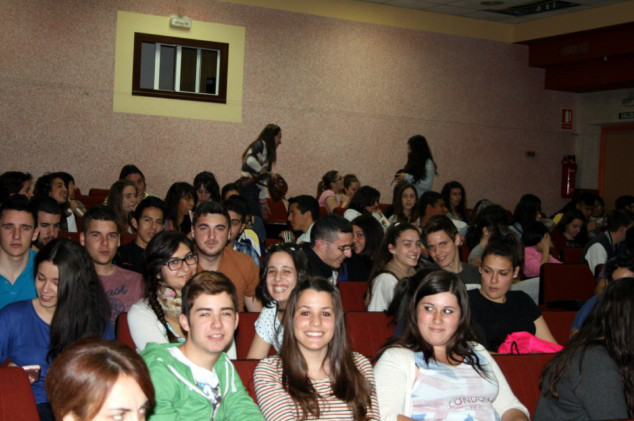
330, 192
169, 263
284, 268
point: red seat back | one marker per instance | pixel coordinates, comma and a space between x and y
368, 331
123, 330
522, 372
99, 192
323, 211
127, 238
271, 241
74, 236
566, 282
279, 213
339, 211
352, 295
16, 396
245, 370
245, 333
572, 254
559, 323
92, 201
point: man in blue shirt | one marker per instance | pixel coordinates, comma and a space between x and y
17, 232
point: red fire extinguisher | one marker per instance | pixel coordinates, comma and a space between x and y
568, 176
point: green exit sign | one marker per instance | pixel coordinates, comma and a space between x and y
626, 116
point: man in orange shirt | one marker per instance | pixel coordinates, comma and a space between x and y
210, 229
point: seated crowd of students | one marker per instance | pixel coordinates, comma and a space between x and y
198, 259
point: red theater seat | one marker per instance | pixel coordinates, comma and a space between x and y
352, 295
568, 282
245, 333
245, 370
70, 235
123, 330
16, 396
572, 255
99, 192
368, 331
92, 201
271, 242
127, 238
279, 213
559, 323
522, 372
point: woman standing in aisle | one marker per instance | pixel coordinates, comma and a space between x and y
257, 163
421, 167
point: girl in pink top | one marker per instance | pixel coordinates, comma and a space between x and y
329, 191
537, 245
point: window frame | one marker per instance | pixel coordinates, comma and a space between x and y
223, 49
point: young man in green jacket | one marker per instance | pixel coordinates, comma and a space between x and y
195, 380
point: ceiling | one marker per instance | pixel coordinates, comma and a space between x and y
475, 10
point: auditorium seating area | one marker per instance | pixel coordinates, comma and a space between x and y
563, 288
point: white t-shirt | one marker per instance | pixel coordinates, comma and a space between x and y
206, 380
269, 328
382, 292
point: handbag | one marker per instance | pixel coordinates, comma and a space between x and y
526, 343
277, 187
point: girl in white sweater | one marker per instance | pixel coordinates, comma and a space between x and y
434, 371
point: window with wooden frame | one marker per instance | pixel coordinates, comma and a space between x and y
180, 68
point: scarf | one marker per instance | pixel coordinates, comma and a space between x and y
398, 271
170, 300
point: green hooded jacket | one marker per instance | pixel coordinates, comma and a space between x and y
178, 398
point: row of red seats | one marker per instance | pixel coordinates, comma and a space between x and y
521, 371
368, 331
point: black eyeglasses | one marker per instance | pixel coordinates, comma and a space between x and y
176, 263
343, 249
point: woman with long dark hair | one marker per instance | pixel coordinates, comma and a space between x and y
53, 185
592, 378
420, 168
169, 263
284, 267
456, 200
568, 231
319, 377
350, 185
405, 204
70, 304
122, 199
366, 202
95, 380
496, 309
434, 370
395, 260
180, 200
524, 214
490, 221
537, 245
258, 160
367, 234
206, 187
